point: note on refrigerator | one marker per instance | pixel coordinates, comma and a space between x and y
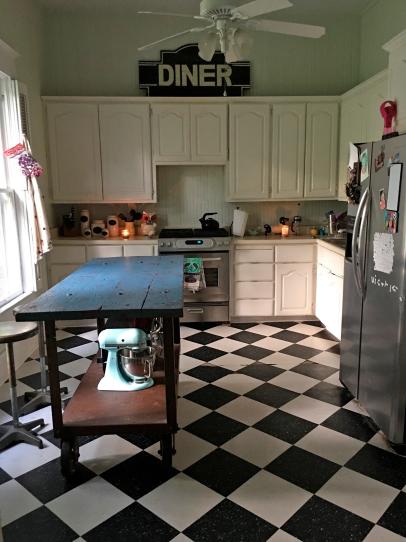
384, 253
353, 155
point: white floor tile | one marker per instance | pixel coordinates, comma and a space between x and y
283, 361
180, 501
272, 344
305, 329
186, 363
264, 329
294, 381
282, 536
330, 444
15, 501
359, 494
379, 534
327, 358
256, 447
226, 345
90, 335
62, 334
189, 449
21, 457
4, 417
310, 409
186, 331
334, 379
105, 452
44, 413
76, 368
28, 368
245, 410
317, 342
85, 350
232, 362
238, 383
223, 331
5, 391
72, 385
380, 441
186, 346
181, 538
89, 504
270, 497
189, 412
187, 384
355, 406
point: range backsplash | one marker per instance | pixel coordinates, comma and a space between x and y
186, 192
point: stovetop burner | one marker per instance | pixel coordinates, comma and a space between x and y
184, 233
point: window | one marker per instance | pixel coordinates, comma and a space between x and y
16, 273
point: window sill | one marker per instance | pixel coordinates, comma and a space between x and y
16, 301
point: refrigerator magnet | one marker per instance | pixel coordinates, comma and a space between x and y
395, 177
391, 221
364, 165
380, 160
382, 199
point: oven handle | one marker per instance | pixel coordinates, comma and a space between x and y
211, 260
194, 311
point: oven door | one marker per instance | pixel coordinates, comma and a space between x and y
216, 274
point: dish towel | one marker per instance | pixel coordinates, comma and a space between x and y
193, 275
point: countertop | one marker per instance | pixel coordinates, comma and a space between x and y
332, 243
135, 240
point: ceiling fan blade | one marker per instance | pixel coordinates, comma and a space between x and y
171, 14
152, 44
259, 7
282, 27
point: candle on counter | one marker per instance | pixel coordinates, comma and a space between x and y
125, 234
285, 231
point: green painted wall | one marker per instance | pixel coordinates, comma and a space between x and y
95, 53
381, 22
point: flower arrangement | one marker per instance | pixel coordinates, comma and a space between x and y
148, 218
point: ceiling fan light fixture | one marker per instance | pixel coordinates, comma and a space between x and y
241, 42
207, 46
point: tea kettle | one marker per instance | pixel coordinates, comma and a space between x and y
209, 223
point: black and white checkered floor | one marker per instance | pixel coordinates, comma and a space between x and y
271, 447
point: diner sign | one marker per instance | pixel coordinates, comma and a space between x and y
183, 73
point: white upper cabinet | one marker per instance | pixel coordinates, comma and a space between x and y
288, 150
249, 152
126, 152
396, 48
321, 150
189, 133
74, 147
208, 133
171, 132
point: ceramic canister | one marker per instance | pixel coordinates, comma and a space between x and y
130, 226
97, 228
112, 226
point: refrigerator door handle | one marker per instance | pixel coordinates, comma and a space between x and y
355, 237
362, 241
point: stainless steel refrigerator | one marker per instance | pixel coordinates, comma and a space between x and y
373, 344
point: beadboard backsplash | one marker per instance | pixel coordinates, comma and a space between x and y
185, 193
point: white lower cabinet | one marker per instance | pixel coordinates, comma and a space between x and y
293, 289
103, 251
140, 250
253, 307
60, 271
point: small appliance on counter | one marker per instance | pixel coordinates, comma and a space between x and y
209, 223
240, 219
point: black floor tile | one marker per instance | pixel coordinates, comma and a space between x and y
72, 342
38, 526
211, 396
324, 334
314, 370
246, 337
244, 326
394, 519
46, 482
384, 466
322, 521
203, 326
79, 330
221, 471
142, 441
229, 522
261, 371
271, 395
290, 336
285, 426
205, 353
34, 381
81, 440
351, 424
216, 428
6, 406
303, 468
315, 323
300, 351
134, 523
4, 477
203, 338
335, 395
67, 357
282, 324
207, 372
138, 475
335, 349
253, 352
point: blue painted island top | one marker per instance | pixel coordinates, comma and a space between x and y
102, 288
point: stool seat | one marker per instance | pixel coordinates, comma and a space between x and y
12, 332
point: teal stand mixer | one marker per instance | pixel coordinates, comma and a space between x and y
130, 360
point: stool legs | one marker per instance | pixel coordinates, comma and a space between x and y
18, 432
42, 397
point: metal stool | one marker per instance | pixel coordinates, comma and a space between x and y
11, 332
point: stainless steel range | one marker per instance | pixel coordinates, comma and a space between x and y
211, 304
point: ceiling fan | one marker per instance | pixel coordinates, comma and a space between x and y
228, 26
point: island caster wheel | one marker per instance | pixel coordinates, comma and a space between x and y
69, 457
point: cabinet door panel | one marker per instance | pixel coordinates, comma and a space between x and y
288, 150
59, 272
126, 152
293, 289
139, 250
104, 251
254, 307
68, 254
209, 133
171, 132
249, 151
321, 150
74, 148
294, 253
254, 255
254, 271
254, 290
